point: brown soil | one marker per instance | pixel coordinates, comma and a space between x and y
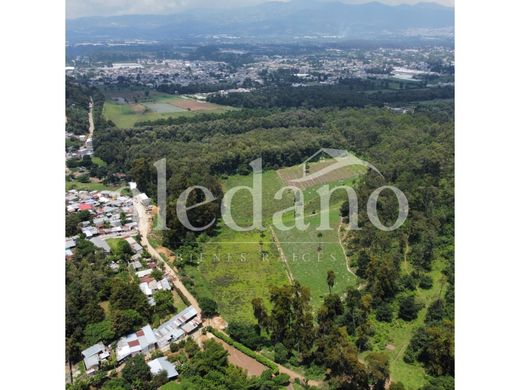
193, 105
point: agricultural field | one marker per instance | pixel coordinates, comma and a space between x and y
319, 173
125, 109
235, 267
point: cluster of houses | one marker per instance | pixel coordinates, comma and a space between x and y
112, 216
106, 208
146, 340
86, 150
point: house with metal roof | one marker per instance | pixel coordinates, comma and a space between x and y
162, 364
172, 331
100, 243
142, 341
93, 356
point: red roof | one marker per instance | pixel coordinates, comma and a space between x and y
133, 343
140, 332
85, 206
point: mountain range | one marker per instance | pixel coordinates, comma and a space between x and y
268, 21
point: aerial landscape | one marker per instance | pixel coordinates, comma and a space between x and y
260, 196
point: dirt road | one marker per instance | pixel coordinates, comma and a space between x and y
144, 228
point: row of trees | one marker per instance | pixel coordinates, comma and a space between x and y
339, 95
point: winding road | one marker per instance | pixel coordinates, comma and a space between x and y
144, 224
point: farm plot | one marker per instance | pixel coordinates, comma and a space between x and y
132, 107
195, 105
319, 173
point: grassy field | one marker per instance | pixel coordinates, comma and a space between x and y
113, 243
92, 186
125, 112
310, 256
236, 267
393, 338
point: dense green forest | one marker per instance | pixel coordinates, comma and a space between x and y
340, 95
413, 151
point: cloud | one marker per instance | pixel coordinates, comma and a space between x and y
79, 8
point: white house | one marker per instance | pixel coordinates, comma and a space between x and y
162, 364
142, 341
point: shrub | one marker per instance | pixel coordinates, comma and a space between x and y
384, 313
208, 306
426, 282
408, 308
280, 353
174, 347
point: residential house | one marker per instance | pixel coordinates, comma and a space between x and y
162, 364
93, 356
142, 341
100, 243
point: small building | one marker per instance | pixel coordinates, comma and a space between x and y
93, 356
142, 341
172, 331
144, 199
162, 364
100, 243
70, 243
136, 247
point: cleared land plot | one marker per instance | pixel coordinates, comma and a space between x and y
195, 105
319, 173
236, 267
310, 255
240, 359
163, 107
131, 107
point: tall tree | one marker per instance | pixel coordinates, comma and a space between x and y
331, 277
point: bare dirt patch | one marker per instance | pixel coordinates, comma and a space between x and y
240, 359
390, 347
194, 105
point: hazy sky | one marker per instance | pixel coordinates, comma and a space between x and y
78, 8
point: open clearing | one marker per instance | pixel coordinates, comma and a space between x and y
236, 267
318, 173
125, 109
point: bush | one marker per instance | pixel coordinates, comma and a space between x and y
280, 353
174, 347
208, 306
384, 313
408, 308
247, 334
426, 282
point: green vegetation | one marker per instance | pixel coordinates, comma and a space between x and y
233, 268
319, 322
127, 113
